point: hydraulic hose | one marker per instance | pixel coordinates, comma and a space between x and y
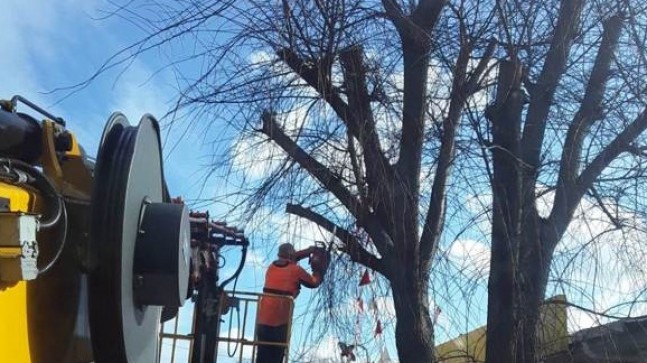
18, 172
238, 270
241, 332
61, 245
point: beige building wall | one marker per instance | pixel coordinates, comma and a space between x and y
552, 334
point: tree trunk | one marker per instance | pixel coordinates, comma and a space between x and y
500, 317
414, 332
517, 289
520, 258
515, 300
529, 298
506, 214
535, 257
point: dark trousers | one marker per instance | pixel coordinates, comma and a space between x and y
271, 353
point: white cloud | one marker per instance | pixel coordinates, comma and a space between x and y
596, 265
471, 257
580, 319
256, 156
482, 98
302, 233
233, 352
479, 206
327, 349
266, 63
385, 307
260, 58
171, 355
137, 94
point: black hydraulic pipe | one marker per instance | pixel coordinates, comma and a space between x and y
38, 180
243, 258
35, 107
20, 137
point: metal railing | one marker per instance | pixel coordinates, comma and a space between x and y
174, 338
240, 303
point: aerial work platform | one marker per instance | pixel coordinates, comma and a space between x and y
234, 333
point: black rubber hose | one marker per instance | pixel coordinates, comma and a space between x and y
61, 245
39, 181
238, 270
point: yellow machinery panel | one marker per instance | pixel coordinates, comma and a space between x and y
71, 241
14, 338
14, 335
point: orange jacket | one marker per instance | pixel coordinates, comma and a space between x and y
285, 278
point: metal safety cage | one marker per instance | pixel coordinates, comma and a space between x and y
172, 347
240, 303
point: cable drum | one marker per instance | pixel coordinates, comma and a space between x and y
128, 177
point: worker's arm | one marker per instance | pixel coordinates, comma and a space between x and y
309, 281
300, 255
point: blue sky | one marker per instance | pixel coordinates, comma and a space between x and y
49, 44
56, 44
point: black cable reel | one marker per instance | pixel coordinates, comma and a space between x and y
140, 242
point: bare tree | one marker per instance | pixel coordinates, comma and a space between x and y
363, 68
573, 58
365, 106
385, 201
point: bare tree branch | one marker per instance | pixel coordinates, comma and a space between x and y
416, 68
474, 79
639, 151
357, 169
416, 44
611, 152
359, 118
561, 214
462, 88
544, 90
395, 14
319, 79
319, 171
603, 206
378, 169
352, 246
569, 187
435, 215
427, 13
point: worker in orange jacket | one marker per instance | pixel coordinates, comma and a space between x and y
284, 277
